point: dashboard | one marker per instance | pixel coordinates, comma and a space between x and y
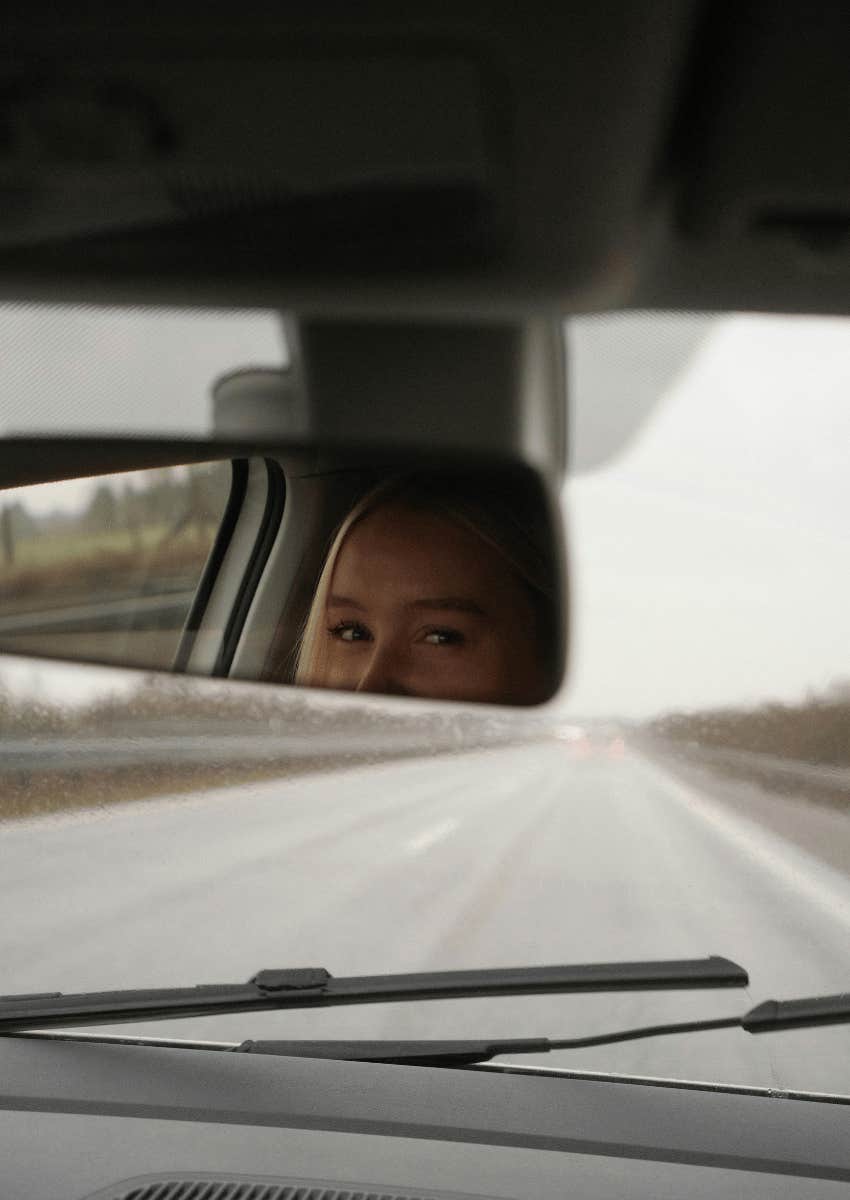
82, 1118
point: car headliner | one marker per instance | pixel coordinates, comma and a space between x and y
460, 157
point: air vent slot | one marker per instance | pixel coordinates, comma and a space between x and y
200, 1186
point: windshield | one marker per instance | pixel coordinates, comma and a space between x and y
686, 794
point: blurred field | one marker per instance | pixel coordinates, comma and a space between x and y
51, 570
37, 795
137, 533
50, 549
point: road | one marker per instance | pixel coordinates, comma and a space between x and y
497, 857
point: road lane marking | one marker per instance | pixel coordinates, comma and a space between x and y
429, 837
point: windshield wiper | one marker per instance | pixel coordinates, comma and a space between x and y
309, 987
769, 1017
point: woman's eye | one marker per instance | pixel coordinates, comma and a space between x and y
349, 631
444, 637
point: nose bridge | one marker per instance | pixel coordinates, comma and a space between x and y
384, 670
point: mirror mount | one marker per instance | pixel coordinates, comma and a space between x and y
496, 389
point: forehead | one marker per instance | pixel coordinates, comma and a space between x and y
400, 546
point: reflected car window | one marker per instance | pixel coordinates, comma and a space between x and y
106, 568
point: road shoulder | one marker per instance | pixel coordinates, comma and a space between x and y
822, 830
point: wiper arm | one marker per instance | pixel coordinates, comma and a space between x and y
309, 987
769, 1017
772, 1015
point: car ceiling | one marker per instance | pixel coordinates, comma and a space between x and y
450, 157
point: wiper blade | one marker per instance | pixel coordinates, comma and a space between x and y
771, 1016
309, 987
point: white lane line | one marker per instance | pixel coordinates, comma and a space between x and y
429, 837
787, 864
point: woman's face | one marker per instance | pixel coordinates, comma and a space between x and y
420, 606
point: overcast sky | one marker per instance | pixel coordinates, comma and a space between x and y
709, 560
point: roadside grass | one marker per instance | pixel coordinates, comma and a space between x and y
57, 569
24, 795
51, 549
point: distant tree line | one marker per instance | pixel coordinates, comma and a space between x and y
816, 730
167, 499
170, 499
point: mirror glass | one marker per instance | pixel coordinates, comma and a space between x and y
105, 568
442, 582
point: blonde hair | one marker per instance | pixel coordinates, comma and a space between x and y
513, 525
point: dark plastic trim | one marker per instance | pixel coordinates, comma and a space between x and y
651, 1125
266, 534
212, 567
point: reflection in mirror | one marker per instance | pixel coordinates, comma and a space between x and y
296, 568
435, 586
105, 568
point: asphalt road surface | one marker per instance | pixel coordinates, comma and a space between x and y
498, 857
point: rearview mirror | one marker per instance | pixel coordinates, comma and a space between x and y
382, 578
313, 538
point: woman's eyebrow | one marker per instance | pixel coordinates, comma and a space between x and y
451, 603
345, 602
